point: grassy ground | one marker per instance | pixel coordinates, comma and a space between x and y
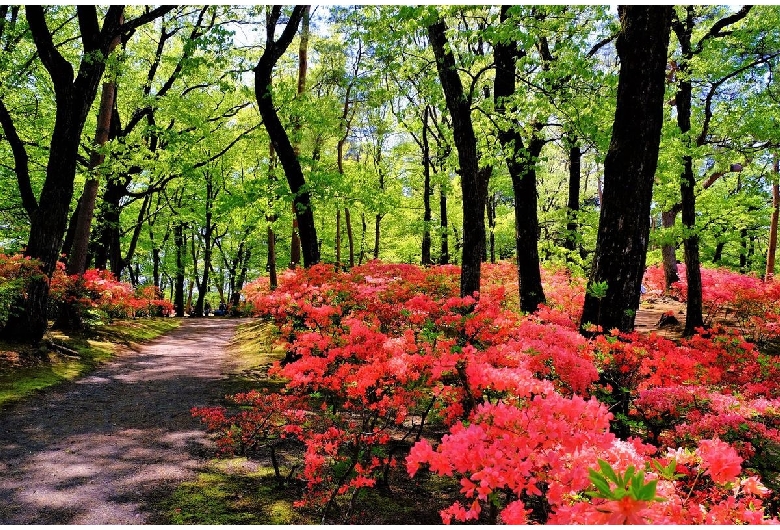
25, 370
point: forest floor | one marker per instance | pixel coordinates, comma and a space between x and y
100, 450
120, 446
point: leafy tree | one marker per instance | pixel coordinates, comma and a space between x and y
74, 95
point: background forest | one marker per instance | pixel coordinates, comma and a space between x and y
189, 194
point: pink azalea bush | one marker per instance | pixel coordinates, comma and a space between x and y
542, 425
98, 290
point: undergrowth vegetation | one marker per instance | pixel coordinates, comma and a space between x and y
391, 376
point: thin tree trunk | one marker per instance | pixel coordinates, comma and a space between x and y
444, 255
338, 238
573, 204
364, 226
426, 155
770, 255
179, 243
270, 219
350, 237
303, 66
377, 221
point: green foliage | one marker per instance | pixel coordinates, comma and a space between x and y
630, 484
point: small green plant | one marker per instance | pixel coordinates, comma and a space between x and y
630, 484
597, 290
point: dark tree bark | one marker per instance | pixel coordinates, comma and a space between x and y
350, 236
426, 155
77, 261
474, 182
683, 99
573, 203
521, 164
208, 241
338, 238
281, 142
629, 168
444, 254
74, 95
491, 217
769, 273
303, 66
668, 251
683, 29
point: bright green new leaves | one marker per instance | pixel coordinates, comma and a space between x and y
630, 484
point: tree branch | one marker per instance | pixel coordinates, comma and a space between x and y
59, 69
21, 161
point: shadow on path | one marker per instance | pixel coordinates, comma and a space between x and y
92, 451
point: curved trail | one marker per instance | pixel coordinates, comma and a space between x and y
94, 451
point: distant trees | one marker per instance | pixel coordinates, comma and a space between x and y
420, 134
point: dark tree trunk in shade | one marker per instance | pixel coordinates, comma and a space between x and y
629, 168
684, 29
350, 236
179, 243
522, 169
444, 254
573, 203
292, 168
426, 153
474, 182
769, 273
668, 251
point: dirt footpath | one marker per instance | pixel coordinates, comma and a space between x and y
95, 451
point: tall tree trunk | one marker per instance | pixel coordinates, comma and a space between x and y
377, 221
684, 30
77, 261
522, 169
74, 98
303, 65
281, 142
573, 204
426, 155
444, 254
180, 244
491, 216
364, 227
338, 238
769, 274
350, 237
270, 219
474, 182
629, 169
668, 253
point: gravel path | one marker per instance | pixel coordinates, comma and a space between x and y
96, 450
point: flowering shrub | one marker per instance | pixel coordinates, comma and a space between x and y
98, 293
15, 273
542, 424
